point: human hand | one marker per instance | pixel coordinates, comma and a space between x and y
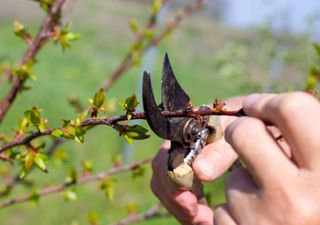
213, 160
280, 183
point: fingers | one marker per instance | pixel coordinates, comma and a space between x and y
297, 116
213, 160
242, 194
182, 204
222, 216
254, 144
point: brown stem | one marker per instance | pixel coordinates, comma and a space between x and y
127, 62
152, 213
30, 54
110, 121
83, 180
14, 180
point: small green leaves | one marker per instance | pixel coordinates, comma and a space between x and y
21, 31
129, 105
138, 172
93, 218
31, 157
73, 176
98, 98
24, 71
72, 129
45, 4
108, 186
64, 36
33, 117
317, 48
313, 76
97, 102
70, 195
86, 167
156, 6
134, 26
39, 160
133, 132
57, 132
137, 132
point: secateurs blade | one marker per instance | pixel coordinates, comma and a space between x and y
188, 135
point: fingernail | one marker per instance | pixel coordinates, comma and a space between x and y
249, 102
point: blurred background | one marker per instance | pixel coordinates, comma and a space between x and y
229, 48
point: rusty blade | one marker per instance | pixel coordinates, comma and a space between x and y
162, 126
173, 96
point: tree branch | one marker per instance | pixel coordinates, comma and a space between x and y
14, 180
127, 62
83, 180
152, 213
30, 54
110, 121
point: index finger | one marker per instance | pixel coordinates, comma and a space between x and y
297, 115
216, 157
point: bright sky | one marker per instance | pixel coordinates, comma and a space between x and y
291, 13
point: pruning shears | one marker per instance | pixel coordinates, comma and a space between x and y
188, 135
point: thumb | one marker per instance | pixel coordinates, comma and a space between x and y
214, 160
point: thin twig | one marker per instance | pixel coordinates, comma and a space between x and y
152, 213
14, 180
83, 180
30, 54
127, 62
110, 121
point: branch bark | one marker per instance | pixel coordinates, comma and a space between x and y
110, 121
127, 62
14, 180
30, 54
83, 180
152, 213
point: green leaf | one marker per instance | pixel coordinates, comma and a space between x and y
24, 71
156, 6
317, 48
20, 30
108, 186
57, 132
130, 103
73, 176
137, 132
39, 161
134, 26
22, 173
79, 134
87, 166
93, 218
72, 37
33, 115
29, 159
98, 98
70, 195
138, 172
35, 197
128, 139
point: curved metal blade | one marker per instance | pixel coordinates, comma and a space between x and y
161, 125
173, 96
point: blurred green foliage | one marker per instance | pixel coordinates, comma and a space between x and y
209, 61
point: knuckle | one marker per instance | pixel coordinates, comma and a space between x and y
292, 103
239, 131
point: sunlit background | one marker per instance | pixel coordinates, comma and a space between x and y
229, 48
